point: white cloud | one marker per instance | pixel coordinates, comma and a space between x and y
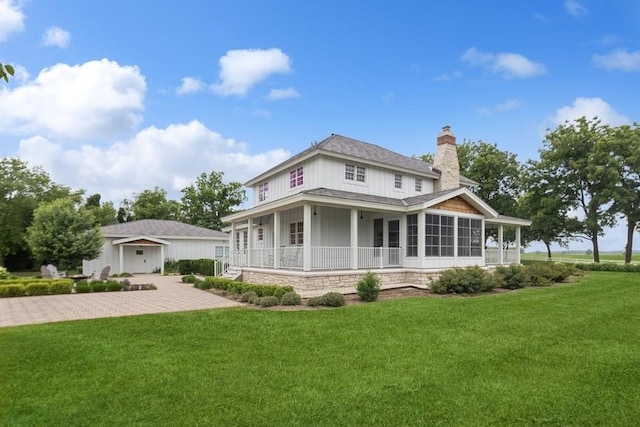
276, 94
11, 19
575, 8
190, 85
94, 100
509, 104
56, 36
619, 59
590, 108
170, 158
241, 69
509, 65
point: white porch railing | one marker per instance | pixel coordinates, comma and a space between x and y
328, 258
509, 256
379, 257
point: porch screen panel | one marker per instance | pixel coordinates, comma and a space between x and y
469, 237
412, 235
438, 235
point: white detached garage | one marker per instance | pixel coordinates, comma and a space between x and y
143, 246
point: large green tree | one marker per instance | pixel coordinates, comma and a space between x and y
209, 199
550, 221
63, 234
149, 204
22, 189
104, 213
574, 168
623, 150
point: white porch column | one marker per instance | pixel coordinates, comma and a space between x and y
249, 241
518, 244
500, 244
232, 245
421, 228
162, 260
306, 246
121, 258
276, 239
354, 238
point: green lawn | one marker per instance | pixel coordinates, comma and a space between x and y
581, 257
567, 355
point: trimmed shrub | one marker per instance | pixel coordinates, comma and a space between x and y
170, 266
125, 274
469, 280
82, 287
268, 301
189, 278
368, 287
4, 273
249, 297
290, 298
113, 286
33, 289
98, 287
513, 276
202, 284
9, 291
333, 299
60, 287
315, 301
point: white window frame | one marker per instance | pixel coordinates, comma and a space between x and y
296, 177
418, 185
397, 181
263, 191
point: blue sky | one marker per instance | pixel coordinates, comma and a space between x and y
117, 97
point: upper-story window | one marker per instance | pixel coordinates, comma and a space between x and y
296, 178
263, 191
354, 173
260, 234
418, 185
397, 181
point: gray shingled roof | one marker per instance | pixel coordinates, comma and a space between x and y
159, 228
343, 145
409, 201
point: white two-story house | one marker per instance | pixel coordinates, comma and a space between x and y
325, 216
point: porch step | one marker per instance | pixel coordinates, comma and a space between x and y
232, 273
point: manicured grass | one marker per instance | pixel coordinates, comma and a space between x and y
567, 355
581, 257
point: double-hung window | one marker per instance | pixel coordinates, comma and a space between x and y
397, 181
296, 233
263, 191
354, 173
296, 178
418, 185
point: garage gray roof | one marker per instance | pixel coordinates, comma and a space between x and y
160, 228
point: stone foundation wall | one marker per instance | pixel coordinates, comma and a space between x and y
343, 281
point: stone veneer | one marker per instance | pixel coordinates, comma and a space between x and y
446, 161
340, 281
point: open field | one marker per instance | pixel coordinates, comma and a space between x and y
580, 257
567, 355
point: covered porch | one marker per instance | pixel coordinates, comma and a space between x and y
316, 234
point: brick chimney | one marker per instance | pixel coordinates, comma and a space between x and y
446, 161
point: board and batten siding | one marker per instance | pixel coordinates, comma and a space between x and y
328, 172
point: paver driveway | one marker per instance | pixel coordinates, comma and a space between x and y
171, 296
